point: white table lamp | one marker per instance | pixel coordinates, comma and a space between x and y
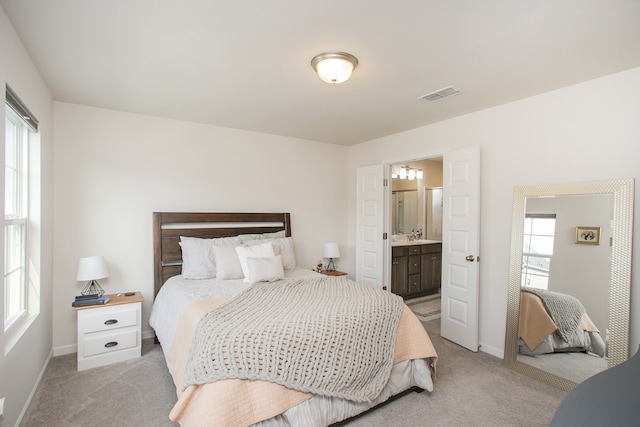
331, 251
92, 268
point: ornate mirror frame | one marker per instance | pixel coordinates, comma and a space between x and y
620, 286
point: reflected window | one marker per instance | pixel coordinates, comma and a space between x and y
537, 249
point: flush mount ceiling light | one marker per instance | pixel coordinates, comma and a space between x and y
334, 67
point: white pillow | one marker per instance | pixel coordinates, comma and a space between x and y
282, 247
265, 269
227, 263
257, 251
276, 235
198, 258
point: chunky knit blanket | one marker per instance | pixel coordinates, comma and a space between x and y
565, 310
329, 336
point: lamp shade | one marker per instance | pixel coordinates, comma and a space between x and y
92, 268
331, 250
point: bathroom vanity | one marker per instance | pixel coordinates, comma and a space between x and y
416, 267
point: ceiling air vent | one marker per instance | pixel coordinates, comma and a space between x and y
441, 93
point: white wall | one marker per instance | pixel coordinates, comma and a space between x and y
21, 366
583, 132
113, 169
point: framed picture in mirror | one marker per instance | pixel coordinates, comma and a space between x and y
588, 235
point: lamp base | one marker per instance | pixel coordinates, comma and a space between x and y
93, 288
331, 266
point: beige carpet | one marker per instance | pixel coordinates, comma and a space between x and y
425, 308
470, 389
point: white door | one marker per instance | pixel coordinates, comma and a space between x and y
370, 267
460, 245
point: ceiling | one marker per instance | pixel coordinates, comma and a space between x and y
246, 64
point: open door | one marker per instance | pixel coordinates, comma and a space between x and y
370, 216
460, 245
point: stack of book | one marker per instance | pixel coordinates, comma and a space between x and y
86, 300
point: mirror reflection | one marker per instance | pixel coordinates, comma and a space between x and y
404, 215
564, 304
569, 280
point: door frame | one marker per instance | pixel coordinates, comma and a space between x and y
387, 209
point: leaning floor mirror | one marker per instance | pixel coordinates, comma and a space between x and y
569, 280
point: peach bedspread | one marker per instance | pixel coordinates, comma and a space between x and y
242, 402
535, 323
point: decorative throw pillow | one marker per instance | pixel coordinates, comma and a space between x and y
257, 251
283, 247
267, 269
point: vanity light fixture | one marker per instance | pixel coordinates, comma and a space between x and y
334, 67
406, 172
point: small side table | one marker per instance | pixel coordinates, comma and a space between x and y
333, 273
111, 332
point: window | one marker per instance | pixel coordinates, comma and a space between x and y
537, 249
20, 125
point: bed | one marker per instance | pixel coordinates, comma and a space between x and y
552, 322
240, 305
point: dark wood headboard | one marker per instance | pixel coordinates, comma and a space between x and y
169, 226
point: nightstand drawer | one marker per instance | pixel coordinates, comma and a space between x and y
106, 318
108, 342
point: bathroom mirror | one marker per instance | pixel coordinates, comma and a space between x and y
614, 200
404, 215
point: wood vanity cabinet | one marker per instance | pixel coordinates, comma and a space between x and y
431, 268
399, 270
416, 269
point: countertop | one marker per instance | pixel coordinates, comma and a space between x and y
414, 242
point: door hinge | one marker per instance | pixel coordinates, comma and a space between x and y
385, 182
384, 236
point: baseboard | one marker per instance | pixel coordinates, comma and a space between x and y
25, 408
65, 349
497, 352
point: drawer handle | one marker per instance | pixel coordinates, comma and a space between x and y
111, 344
111, 322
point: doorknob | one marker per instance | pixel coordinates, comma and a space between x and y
470, 258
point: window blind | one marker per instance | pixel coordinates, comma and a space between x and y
20, 109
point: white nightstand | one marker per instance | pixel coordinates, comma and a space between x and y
110, 333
